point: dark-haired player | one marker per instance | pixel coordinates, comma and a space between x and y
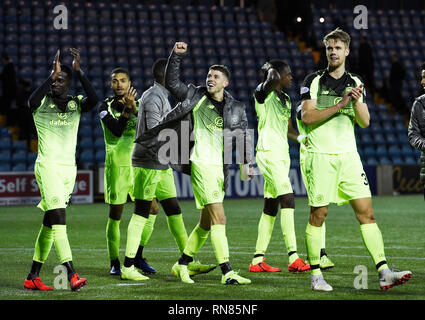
56, 117
273, 108
153, 180
118, 115
213, 111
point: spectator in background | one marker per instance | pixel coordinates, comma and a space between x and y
397, 76
267, 12
366, 63
25, 120
8, 82
416, 130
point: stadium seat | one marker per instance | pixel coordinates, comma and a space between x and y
369, 151
100, 157
19, 156
5, 156
19, 167
5, 167
381, 151
87, 156
31, 157
6, 143
371, 161
86, 142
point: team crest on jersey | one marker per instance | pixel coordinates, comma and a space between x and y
218, 122
72, 105
337, 100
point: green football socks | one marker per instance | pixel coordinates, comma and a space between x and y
60, 239
43, 244
147, 230
219, 243
113, 238
178, 230
196, 240
323, 235
313, 243
134, 233
372, 239
265, 229
288, 230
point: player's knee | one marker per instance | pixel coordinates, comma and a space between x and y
142, 207
287, 201
271, 206
221, 219
318, 215
365, 215
171, 206
55, 216
154, 208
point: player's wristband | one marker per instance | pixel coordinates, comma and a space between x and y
301, 138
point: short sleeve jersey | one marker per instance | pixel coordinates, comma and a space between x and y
207, 133
119, 149
273, 115
57, 130
336, 134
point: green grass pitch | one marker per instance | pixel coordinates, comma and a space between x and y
401, 220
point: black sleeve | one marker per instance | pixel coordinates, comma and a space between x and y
173, 83
270, 84
259, 93
34, 100
91, 100
116, 126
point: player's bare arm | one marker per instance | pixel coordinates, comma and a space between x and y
292, 133
311, 115
360, 108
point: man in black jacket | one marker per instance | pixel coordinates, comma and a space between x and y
416, 130
214, 118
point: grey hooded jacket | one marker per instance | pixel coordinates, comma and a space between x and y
153, 106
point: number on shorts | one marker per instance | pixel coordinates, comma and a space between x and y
366, 182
